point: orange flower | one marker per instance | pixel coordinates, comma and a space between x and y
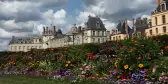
125, 66
66, 65
131, 50
166, 48
118, 77
71, 64
140, 65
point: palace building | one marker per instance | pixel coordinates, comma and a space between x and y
159, 23
93, 32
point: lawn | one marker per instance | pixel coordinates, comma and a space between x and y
36, 80
27, 80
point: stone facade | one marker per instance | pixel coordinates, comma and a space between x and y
121, 32
159, 19
24, 44
93, 32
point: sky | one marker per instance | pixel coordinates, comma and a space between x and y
21, 18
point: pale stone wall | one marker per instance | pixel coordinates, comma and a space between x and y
159, 26
119, 37
23, 47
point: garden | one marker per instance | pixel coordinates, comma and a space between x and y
140, 60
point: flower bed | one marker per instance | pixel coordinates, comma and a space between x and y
133, 60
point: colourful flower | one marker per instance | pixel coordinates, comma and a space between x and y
66, 65
68, 62
140, 65
131, 50
125, 66
139, 58
97, 75
118, 77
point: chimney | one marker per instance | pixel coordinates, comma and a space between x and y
157, 2
54, 29
47, 30
79, 29
43, 29
133, 24
126, 26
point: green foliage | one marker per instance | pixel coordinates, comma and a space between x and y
140, 47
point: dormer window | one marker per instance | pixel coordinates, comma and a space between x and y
163, 7
98, 24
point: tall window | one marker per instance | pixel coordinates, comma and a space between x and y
113, 38
98, 33
156, 20
102, 33
93, 40
103, 39
150, 32
156, 30
116, 38
98, 40
27, 47
163, 19
93, 33
23, 47
164, 29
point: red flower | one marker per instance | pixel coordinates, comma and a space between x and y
131, 50
142, 45
90, 55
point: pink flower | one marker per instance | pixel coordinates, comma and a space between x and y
154, 70
81, 69
83, 72
84, 64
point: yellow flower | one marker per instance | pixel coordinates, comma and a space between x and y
68, 62
104, 75
116, 63
66, 65
140, 65
97, 75
125, 66
33, 64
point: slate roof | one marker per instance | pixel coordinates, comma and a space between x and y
21, 40
91, 23
141, 24
121, 27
